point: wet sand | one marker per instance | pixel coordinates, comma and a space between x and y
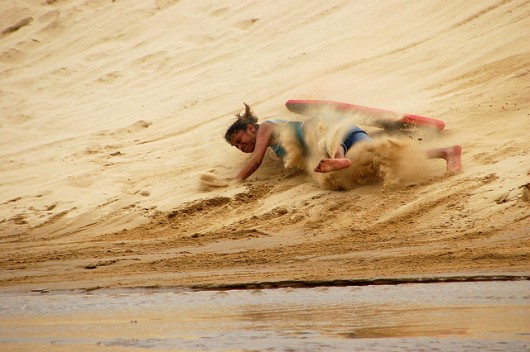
492, 316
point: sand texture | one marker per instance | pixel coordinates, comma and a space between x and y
114, 167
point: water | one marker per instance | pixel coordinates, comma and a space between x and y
491, 316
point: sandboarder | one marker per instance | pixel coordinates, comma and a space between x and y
250, 137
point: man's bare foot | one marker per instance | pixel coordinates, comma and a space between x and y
328, 165
452, 155
454, 158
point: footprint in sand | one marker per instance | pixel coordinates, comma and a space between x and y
15, 27
11, 56
81, 181
164, 4
135, 127
219, 12
49, 16
109, 77
246, 23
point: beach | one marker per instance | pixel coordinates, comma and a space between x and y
111, 112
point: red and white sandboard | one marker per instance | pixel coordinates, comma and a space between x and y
372, 116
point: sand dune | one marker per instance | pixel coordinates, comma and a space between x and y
111, 110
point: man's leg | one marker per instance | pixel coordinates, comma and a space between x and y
452, 155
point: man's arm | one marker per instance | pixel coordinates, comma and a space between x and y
263, 139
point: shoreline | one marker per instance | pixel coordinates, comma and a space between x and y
294, 284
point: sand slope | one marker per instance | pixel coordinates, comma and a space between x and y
109, 111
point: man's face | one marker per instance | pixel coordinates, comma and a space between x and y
244, 140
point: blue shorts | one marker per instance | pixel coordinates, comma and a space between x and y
353, 136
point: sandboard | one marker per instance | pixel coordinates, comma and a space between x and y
371, 116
